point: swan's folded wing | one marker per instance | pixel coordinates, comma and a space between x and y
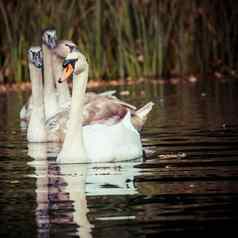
103, 111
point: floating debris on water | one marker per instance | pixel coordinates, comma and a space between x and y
173, 156
224, 125
181, 155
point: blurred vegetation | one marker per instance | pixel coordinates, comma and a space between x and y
125, 38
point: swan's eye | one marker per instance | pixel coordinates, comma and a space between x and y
71, 47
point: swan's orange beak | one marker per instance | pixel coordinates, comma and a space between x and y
68, 71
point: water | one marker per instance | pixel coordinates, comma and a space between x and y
186, 184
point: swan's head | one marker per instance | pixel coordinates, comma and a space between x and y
63, 48
76, 63
49, 38
35, 56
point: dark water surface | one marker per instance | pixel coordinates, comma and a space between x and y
186, 183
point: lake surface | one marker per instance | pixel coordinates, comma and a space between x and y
186, 183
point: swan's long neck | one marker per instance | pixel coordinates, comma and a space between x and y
73, 148
36, 129
78, 95
62, 88
50, 98
37, 86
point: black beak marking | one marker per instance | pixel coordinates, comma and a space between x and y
69, 61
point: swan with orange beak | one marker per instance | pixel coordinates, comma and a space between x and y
101, 141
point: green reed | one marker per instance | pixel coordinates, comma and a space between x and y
123, 38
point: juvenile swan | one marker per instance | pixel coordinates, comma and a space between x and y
36, 131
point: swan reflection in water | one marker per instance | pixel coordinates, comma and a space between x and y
62, 190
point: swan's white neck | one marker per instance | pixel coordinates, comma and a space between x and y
50, 98
37, 87
36, 129
73, 150
62, 88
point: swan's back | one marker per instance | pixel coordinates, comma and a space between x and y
117, 142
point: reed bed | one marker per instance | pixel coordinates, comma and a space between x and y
123, 38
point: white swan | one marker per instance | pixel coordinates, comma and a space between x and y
36, 131
97, 142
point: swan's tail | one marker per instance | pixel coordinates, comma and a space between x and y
140, 116
145, 110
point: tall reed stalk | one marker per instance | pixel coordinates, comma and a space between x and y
123, 38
